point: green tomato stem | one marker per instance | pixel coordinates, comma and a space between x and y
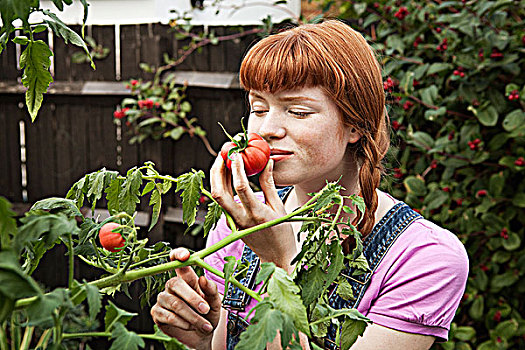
108, 334
90, 263
233, 281
71, 260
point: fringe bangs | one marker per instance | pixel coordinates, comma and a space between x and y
281, 62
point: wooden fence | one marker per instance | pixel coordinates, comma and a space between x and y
75, 134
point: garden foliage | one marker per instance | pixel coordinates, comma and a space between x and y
453, 71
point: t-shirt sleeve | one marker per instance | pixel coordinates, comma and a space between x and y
422, 281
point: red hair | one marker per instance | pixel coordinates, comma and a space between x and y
336, 58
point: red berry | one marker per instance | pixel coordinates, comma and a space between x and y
511, 97
438, 29
476, 141
459, 201
520, 161
481, 193
504, 233
456, 72
376, 4
497, 316
415, 83
446, 189
484, 267
462, 74
395, 125
451, 135
498, 339
119, 114
433, 164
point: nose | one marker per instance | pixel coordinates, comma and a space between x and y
269, 127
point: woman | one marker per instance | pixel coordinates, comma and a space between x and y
316, 96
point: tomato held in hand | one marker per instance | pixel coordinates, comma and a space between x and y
254, 149
112, 241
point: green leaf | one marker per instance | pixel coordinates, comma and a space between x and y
513, 120
519, 200
263, 329
42, 312
436, 199
344, 290
36, 78
228, 268
284, 294
190, 184
129, 195
464, 333
176, 133
422, 140
512, 243
156, 201
496, 184
112, 195
58, 205
506, 329
94, 299
148, 188
487, 116
212, 217
267, 269
7, 223
14, 283
415, 185
125, 339
351, 329
503, 280
476, 309
61, 29
429, 94
438, 67
7, 306
115, 315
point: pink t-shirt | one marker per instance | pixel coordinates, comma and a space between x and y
416, 288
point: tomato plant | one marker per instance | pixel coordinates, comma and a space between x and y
111, 238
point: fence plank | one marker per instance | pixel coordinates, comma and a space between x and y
8, 70
11, 179
130, 47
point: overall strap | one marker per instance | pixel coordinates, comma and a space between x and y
236, 299
375, 246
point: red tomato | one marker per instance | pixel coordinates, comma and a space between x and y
112, 241
255, 156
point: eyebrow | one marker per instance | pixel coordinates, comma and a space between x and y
287, 98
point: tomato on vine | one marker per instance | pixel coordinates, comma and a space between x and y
110, 237
254, 150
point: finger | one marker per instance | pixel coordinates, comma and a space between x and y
220, 181
183, 310
211, 295
241, 183
162, 316
190, 294
181, 254
267, 184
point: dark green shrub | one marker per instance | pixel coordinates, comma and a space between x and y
456, 103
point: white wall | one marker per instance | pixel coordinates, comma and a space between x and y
231, 12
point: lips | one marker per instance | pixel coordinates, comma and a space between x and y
278, 154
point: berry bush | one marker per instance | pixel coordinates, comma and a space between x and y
456, 93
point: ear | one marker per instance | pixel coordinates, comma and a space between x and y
353, 135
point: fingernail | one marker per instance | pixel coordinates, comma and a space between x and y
203, 308
207, 327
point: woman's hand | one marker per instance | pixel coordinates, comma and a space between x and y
189, 308
275, 244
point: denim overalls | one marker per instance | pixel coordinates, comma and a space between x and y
375, 247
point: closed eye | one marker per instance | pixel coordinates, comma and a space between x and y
300, 114
259, 113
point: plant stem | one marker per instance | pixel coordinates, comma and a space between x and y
108, 334
3, 337
233, 281
71, 260
90, 263
44, 339
26, 341
151, 258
